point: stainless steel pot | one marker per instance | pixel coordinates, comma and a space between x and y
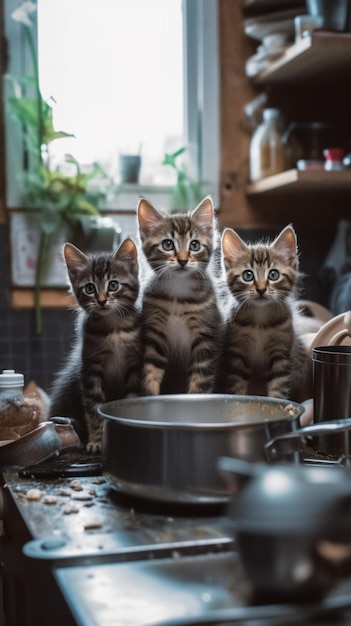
166, 448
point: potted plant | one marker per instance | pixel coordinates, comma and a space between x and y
61, 196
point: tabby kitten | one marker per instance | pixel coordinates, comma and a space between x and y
105, 362
180, 317
263, 353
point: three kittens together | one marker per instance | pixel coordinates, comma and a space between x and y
180, 339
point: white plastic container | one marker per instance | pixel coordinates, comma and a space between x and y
11, 382
267, 153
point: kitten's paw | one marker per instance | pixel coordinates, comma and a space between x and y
93, 447
152, 390
152, 381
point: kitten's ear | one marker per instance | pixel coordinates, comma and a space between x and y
128, 252
204, 212
148, 218
232, 246
75, 259
286, 244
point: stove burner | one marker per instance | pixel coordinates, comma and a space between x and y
69, 464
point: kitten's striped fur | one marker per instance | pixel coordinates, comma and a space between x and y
263, 353
105, 362
180, 316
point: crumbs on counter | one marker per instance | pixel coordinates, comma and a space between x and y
70, 508
93, 526
99, 480
82, 497
76, 485
48, 499
34, 494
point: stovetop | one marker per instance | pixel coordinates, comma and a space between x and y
124, 562
183, 591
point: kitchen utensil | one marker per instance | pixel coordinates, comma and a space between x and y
166, 447
335, 331
41, 443
275, 447
292, 527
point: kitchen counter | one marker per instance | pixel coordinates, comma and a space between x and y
80, 554
54, 521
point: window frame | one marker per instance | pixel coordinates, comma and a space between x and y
201, 102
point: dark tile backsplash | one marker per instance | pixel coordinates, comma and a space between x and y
39, 357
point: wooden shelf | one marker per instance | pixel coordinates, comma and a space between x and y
49, 298
268, 5
317, 57
303, 182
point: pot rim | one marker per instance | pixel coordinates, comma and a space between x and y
105, 410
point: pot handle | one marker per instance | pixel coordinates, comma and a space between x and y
324, 428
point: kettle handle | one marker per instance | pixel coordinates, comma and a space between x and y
324, 428
237, 472
339, 336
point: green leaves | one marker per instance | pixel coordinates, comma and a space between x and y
60, 198
187, 192
27, 113
171, 159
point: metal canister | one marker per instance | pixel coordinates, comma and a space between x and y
332, 394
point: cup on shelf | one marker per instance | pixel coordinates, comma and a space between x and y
305, 24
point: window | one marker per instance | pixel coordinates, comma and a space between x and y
155, 90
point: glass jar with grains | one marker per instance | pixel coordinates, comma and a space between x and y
267, 155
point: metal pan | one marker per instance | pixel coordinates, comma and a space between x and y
166, 448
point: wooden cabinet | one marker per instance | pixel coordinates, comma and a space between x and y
302, 183
309, 82
322, 58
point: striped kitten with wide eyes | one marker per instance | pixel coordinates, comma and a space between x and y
181, 322
102, 282
105, 363
261, 272
263, 352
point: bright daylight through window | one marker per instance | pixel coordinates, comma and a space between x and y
115, 70
133, 77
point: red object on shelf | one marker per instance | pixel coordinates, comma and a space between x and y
334, 158
334, 154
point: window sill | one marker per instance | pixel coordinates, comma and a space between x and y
49, 298
125, 197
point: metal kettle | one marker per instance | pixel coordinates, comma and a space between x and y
292, 525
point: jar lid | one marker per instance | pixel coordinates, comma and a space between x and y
11, 378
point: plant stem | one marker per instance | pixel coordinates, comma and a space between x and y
43, 245
33, 52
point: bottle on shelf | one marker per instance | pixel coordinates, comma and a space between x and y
267, 153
